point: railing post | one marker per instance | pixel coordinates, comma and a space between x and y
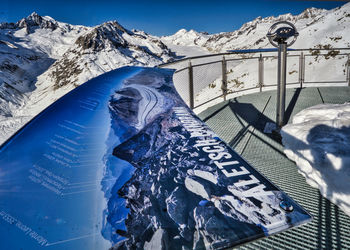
261, 72
301, 69
190, 84
348, 70
281, 84
224, 78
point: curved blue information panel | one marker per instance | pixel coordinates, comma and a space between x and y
121, 162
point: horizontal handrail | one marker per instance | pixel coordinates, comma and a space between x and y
203, 64
236, 52
302, 55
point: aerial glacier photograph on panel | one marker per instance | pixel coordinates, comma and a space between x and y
174, 125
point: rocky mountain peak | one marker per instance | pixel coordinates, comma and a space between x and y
251, 34
33, 21
251, 24
311, 13
33, 16
117, 26
109, 34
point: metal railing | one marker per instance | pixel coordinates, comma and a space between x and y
215, 68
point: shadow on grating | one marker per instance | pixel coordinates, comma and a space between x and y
241, 121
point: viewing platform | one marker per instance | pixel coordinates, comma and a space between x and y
240, 122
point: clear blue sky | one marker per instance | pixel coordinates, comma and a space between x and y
159, 17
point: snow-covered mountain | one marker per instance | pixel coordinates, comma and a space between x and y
316, 26
187, 38
41, 59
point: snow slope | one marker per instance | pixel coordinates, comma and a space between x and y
187, 43
41, 59
317, 28
318, 140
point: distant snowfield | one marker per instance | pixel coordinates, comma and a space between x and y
318, 140
186, 51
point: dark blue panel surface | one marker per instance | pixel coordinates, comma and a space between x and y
122, 162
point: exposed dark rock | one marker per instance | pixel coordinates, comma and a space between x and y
107, 34
7, 66
30, 23
64, 72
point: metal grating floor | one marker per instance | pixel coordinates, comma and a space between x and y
240, 122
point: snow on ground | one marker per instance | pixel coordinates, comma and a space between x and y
317, 29
201, 77
318, 140
42, 59
324, 69
186, 51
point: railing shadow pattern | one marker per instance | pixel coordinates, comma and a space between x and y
246, 117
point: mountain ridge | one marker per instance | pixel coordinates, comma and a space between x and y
41, 58
252, 35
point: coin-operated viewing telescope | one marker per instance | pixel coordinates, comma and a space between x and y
282, 35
